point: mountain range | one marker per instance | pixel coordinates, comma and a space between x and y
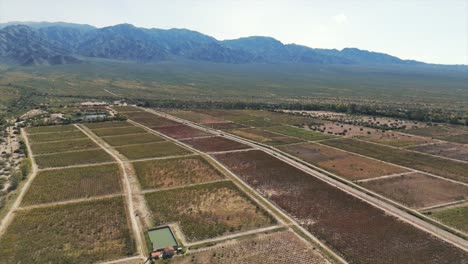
47, 43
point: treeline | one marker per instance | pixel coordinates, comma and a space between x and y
416, 114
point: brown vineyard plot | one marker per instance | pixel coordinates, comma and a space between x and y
358, 231
215, 144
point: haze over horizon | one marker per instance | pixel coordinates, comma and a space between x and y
428, 31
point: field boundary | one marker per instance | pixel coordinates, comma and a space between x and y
137, 230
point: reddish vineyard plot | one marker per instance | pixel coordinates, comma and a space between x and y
224, 126
359, 232
449, 150
270, 248
263, 136
349, 166
73, 183
150, 120
181, 131
215, 144
418, 190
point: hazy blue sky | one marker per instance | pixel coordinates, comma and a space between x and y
427, 30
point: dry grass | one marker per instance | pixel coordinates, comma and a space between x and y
174, 172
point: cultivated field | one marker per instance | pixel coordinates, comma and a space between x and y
349, 166
174, 172
418, 190
457, 134
224, 126
132, 139
449, 150
263, 136
72, 158
442, 167
73, 183
194, 116
357, 231
215, 144
49, 129
207, 211
74, 233
181, 131
126, 108
114, 131
279, 247
151, 150
455, 217
58, 136
150, 120
238, 116
305, 134
62, 146
395, 139
98, 125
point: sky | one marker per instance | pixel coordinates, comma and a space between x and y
434, 31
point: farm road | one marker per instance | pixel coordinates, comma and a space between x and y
128, 190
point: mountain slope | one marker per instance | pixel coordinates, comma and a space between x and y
25, 46
55, 43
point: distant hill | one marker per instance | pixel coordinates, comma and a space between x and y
37, 43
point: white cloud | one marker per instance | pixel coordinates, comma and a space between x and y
340, 19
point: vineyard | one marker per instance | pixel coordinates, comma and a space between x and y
174, 172
73, 183
132, 139
442, 167
151, 150
98, 125
181, 131
449, 150
207, 211
50, 129
62, 146
73, 158
74, 233
280, 247
455, 217
359, 232
214, 144
418, 190
114, 131
264, 136
56, 136
347, 165
150, 120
